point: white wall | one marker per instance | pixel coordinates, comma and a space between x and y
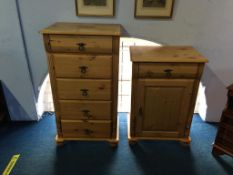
13, 66
207, 25
211, 97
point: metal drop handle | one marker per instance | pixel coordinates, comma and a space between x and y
81, 46
88, 131
84, 92
86, 113
168, 72
83, 69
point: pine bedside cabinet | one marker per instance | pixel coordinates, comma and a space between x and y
164, 89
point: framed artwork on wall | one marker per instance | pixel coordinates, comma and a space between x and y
95, 8
153, 8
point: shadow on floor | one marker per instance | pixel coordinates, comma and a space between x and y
40, 154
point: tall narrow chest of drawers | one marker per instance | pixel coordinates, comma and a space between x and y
83, 68
164, 89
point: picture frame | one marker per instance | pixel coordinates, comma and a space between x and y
153, 8
104, 8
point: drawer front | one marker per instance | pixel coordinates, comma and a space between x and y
168, 70
85, 110
84, 89
225, 137
82, 66
79, 129
227, 118
81, 44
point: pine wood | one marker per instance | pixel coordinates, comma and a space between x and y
193, 99
83, 29
70, 66
132, 139
85, 110
73, 89
134, 90
158, 70
112, 142
70, 43
224, 140
90, 129
83, 67
54, 94
182, 54
163, 105
155, 97
115, 73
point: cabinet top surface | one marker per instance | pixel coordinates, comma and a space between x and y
83, 29
166, 54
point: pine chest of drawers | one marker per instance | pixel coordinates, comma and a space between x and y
83, 68
164, 89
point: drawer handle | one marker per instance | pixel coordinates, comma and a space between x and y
86, 113
83, 69
81, 46
84, 92
88, 131
168, 72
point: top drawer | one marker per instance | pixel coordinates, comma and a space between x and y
168, 70
81, 44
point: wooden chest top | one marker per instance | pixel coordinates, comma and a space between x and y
83, 29
166, 54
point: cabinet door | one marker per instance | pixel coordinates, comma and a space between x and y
163, 107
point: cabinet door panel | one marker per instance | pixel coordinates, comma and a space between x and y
163, 107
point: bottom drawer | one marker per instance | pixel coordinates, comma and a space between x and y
91, 129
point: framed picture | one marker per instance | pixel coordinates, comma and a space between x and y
153, 8
95, 7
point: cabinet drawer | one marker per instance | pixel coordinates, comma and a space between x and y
227, 118
226, 132
168, 70
85, 110
84, 89
79, 129
225, 137
81, 44
82, 66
